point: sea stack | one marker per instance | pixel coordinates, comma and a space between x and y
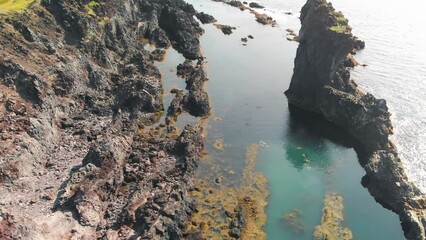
321, 83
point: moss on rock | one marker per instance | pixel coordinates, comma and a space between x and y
220, 205
7, 6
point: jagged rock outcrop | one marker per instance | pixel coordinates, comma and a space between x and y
226, 29
196, 100
321, 83
80, 127
136, 186
261, 18
205, 18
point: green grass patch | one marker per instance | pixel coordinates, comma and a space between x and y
341, 23
7, 6
341, 29
91, 8
93, 4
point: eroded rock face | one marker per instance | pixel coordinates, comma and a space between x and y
79, 121
196, 100
321, 83
205, 18
182, 29
137, 186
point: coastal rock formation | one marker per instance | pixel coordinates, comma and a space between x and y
196, 100
83, 154
205, 18
321, 83
226, 29
255, 5
261, 18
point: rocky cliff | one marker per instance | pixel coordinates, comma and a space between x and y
84, 153
321, 83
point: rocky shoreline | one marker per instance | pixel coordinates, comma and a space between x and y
321, 83
85, 153
261, 18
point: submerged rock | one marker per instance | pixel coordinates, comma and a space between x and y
237, 224
322, 84
332, 221
235, 3
265, 19
225, 212
292, 220
261, 18
226, 29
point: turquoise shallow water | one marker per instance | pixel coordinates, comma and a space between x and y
304, 157
333, 168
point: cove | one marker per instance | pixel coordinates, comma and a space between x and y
302, 156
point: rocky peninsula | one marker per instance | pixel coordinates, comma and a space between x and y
90, 150
84, 151
321, 83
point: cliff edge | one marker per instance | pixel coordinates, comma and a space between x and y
321, 83
84, 153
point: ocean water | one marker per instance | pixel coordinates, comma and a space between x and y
303, 157
396, 57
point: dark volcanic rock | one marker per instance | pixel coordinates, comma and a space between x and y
29, 86
158, 55
79, 120
141, 95
265, 19
237, 224
261, 18
321, 83
350, 61
205, 18
196, 100
227, 30
182, 30
237, 4
176, 106
136, 182
255, 5
359, 44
